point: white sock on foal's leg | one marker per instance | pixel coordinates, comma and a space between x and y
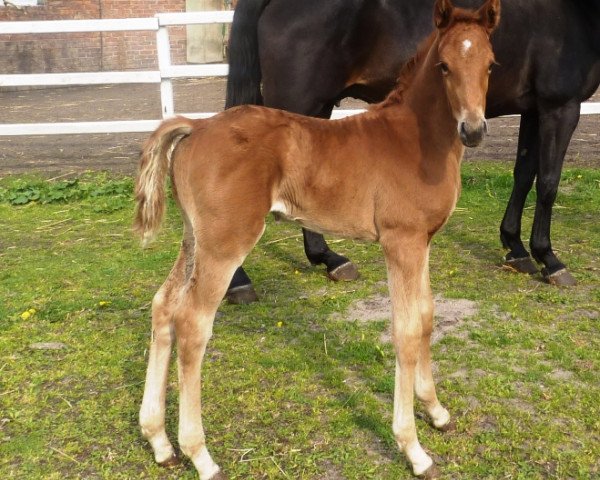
205, 465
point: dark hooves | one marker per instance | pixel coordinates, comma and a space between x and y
219, 476
431, 473
170, 462
241, 295
448, 427
521, 265
345, 272
562, 278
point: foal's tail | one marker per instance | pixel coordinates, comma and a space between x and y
243, 80
150, 184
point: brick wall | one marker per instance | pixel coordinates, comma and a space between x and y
48, 53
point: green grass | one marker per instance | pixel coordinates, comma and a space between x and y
310, 397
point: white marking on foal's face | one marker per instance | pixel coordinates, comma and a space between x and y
466, 45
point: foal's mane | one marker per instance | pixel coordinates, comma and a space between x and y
407, 73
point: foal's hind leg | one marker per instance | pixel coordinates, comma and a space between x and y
424, 384
193, 328
214, 265
152, 411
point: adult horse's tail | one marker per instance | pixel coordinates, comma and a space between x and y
243, 81
154, 166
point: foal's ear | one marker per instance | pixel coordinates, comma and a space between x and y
489, 15
442, 13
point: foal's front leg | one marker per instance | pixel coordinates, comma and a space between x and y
424, 384
405, 260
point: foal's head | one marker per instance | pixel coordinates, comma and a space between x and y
466, 60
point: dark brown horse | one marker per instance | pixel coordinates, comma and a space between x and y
304, 56
390, 175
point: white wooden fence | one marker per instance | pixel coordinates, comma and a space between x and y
165, 73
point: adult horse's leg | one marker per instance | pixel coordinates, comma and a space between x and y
424, 384
405, 261
318, 252
152, 411
556, 129
526, 165
241, 291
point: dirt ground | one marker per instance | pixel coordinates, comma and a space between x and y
450, 314
63, 154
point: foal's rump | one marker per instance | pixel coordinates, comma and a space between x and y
222, 169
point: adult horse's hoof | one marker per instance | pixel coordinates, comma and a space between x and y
521, 265
171, 462
562, 278
345, 272
241, 295
430, 474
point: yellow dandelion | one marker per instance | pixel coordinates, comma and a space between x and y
280, 324
25, 315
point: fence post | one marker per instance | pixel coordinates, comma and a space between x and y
163, 48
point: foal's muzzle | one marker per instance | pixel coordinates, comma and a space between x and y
471, 134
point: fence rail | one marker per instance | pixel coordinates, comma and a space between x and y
163, 76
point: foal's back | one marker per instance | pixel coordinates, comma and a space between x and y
327, 175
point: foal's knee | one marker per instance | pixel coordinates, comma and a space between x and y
193, 331
162, 308
426, 309
407, 348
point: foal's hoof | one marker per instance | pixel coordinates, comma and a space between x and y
345, 272
521, 265
430, 474
170, 462
219, 476
562, 278
447, 427
241, 295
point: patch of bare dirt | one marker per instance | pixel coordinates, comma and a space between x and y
560, 375
449, 314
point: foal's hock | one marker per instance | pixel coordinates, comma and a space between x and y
400, 165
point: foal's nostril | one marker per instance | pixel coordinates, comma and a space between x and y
470, 135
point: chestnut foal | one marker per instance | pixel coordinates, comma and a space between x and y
390, 175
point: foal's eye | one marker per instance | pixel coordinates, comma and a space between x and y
444, 68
